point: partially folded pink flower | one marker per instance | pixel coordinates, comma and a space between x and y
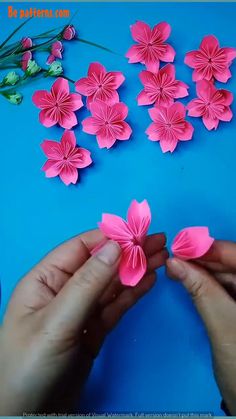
192, 243
210, 60
100, 84
161, 88
56, 52
26, 57
26, 43
169, 126
107, 123
69, 33
151, 47
65, 158
213, 104
59, 105
130, 235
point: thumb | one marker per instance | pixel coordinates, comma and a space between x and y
213, 303
74, 303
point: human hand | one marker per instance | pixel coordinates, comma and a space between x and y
57, 320
211, 281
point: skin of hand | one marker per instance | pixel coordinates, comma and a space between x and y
211, 281
58, 318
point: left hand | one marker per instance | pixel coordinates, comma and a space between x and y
58, 318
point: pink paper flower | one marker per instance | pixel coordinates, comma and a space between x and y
69, 33
212, 104
65, 158
26, 57
192, 243
151, 47
100, 84
26, 43
130, 235
58, 106
56, 52
161, 88
169, 126
211, 60
107, 123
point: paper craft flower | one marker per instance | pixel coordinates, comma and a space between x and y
169, 126
56, 52
65, 158
161, 88
212, 104
59, 105
100, 84
130, 235
26, 57
107, 123
210, 60
26, 43
192, 243
151, 47
69, 33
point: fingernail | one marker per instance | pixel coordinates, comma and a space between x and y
109, 253
177, 268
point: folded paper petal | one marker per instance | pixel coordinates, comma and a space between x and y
139, 218
133, 266
192, 243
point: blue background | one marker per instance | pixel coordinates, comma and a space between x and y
158, 358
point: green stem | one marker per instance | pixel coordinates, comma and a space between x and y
14, 32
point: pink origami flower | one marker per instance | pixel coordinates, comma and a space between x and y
169, 126
211, 60
26, 57
69, 33
56, 52
161, 88
107, 123
59, 105
100, 84
192, 243
151, 47
26, 43
130, 235
65, 158
212, 104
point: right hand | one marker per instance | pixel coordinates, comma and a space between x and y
211, 281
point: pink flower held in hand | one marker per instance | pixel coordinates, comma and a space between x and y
100, 84
192, 243
26, 57
169, 126
69, 33
212, 104
65, 158
26, 43
56, 52
59, 105
107, 123
211, 60
161, 88
130, 235
151, 47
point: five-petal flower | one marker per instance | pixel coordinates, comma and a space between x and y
59, 105
107, 123
213, 104
210, 60
65, 158
100, 84
161, 88
151, 47
130, 235
169, 126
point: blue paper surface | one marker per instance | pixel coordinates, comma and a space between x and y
158, 358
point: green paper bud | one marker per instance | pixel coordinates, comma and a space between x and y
55, 69
14, 98
11, 79
32, 68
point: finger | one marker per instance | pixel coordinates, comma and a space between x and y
157, 260
221, 257
228, 281
154, 243
74, 303
212, 301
